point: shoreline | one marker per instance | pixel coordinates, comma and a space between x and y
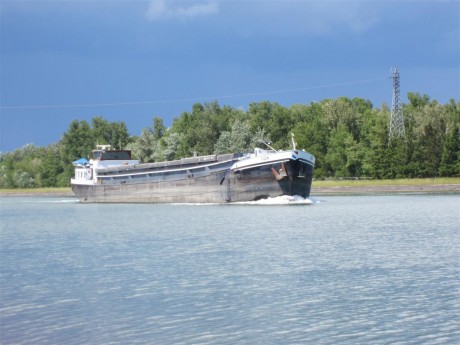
348, 188
385, 189
38, 193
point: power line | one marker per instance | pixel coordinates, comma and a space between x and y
192, 99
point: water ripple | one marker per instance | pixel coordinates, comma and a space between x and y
352, 270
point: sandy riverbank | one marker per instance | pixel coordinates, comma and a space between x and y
64, 192
385, 189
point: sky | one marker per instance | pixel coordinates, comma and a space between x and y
133, 60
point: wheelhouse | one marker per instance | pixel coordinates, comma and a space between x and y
112, 155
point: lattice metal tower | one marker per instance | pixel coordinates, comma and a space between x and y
397, 129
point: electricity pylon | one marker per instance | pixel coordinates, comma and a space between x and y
397, 129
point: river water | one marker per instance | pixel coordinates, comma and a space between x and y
338, 270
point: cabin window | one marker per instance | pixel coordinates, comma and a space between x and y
116, 155
112, 155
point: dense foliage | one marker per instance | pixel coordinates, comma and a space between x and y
349, 138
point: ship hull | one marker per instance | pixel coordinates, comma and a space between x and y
225, 184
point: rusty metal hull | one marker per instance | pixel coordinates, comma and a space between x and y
223, 185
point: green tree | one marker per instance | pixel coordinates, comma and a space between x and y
239, 139
348, 137
274, 119
6, 178
396, 159
104, 132
312, 134
77, 142
23, 179
100, 131
171, 145
450, 160
158, 128
344, 155
200, 129
425, 138
343, 111
375, 161
143, 146
50, 167
118, 135
417, 100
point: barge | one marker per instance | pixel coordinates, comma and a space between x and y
112, 176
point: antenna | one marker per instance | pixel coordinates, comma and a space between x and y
267, 144
294, 144
397, 129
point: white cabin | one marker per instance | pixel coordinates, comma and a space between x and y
103, 157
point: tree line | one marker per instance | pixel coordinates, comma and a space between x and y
349, 137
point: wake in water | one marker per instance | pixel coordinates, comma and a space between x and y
32, 200
281, 200
65, 201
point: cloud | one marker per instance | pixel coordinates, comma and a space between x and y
316, 17
275, 17
166, 9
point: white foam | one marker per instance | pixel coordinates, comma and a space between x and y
280, 200
65, 201
50, 200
